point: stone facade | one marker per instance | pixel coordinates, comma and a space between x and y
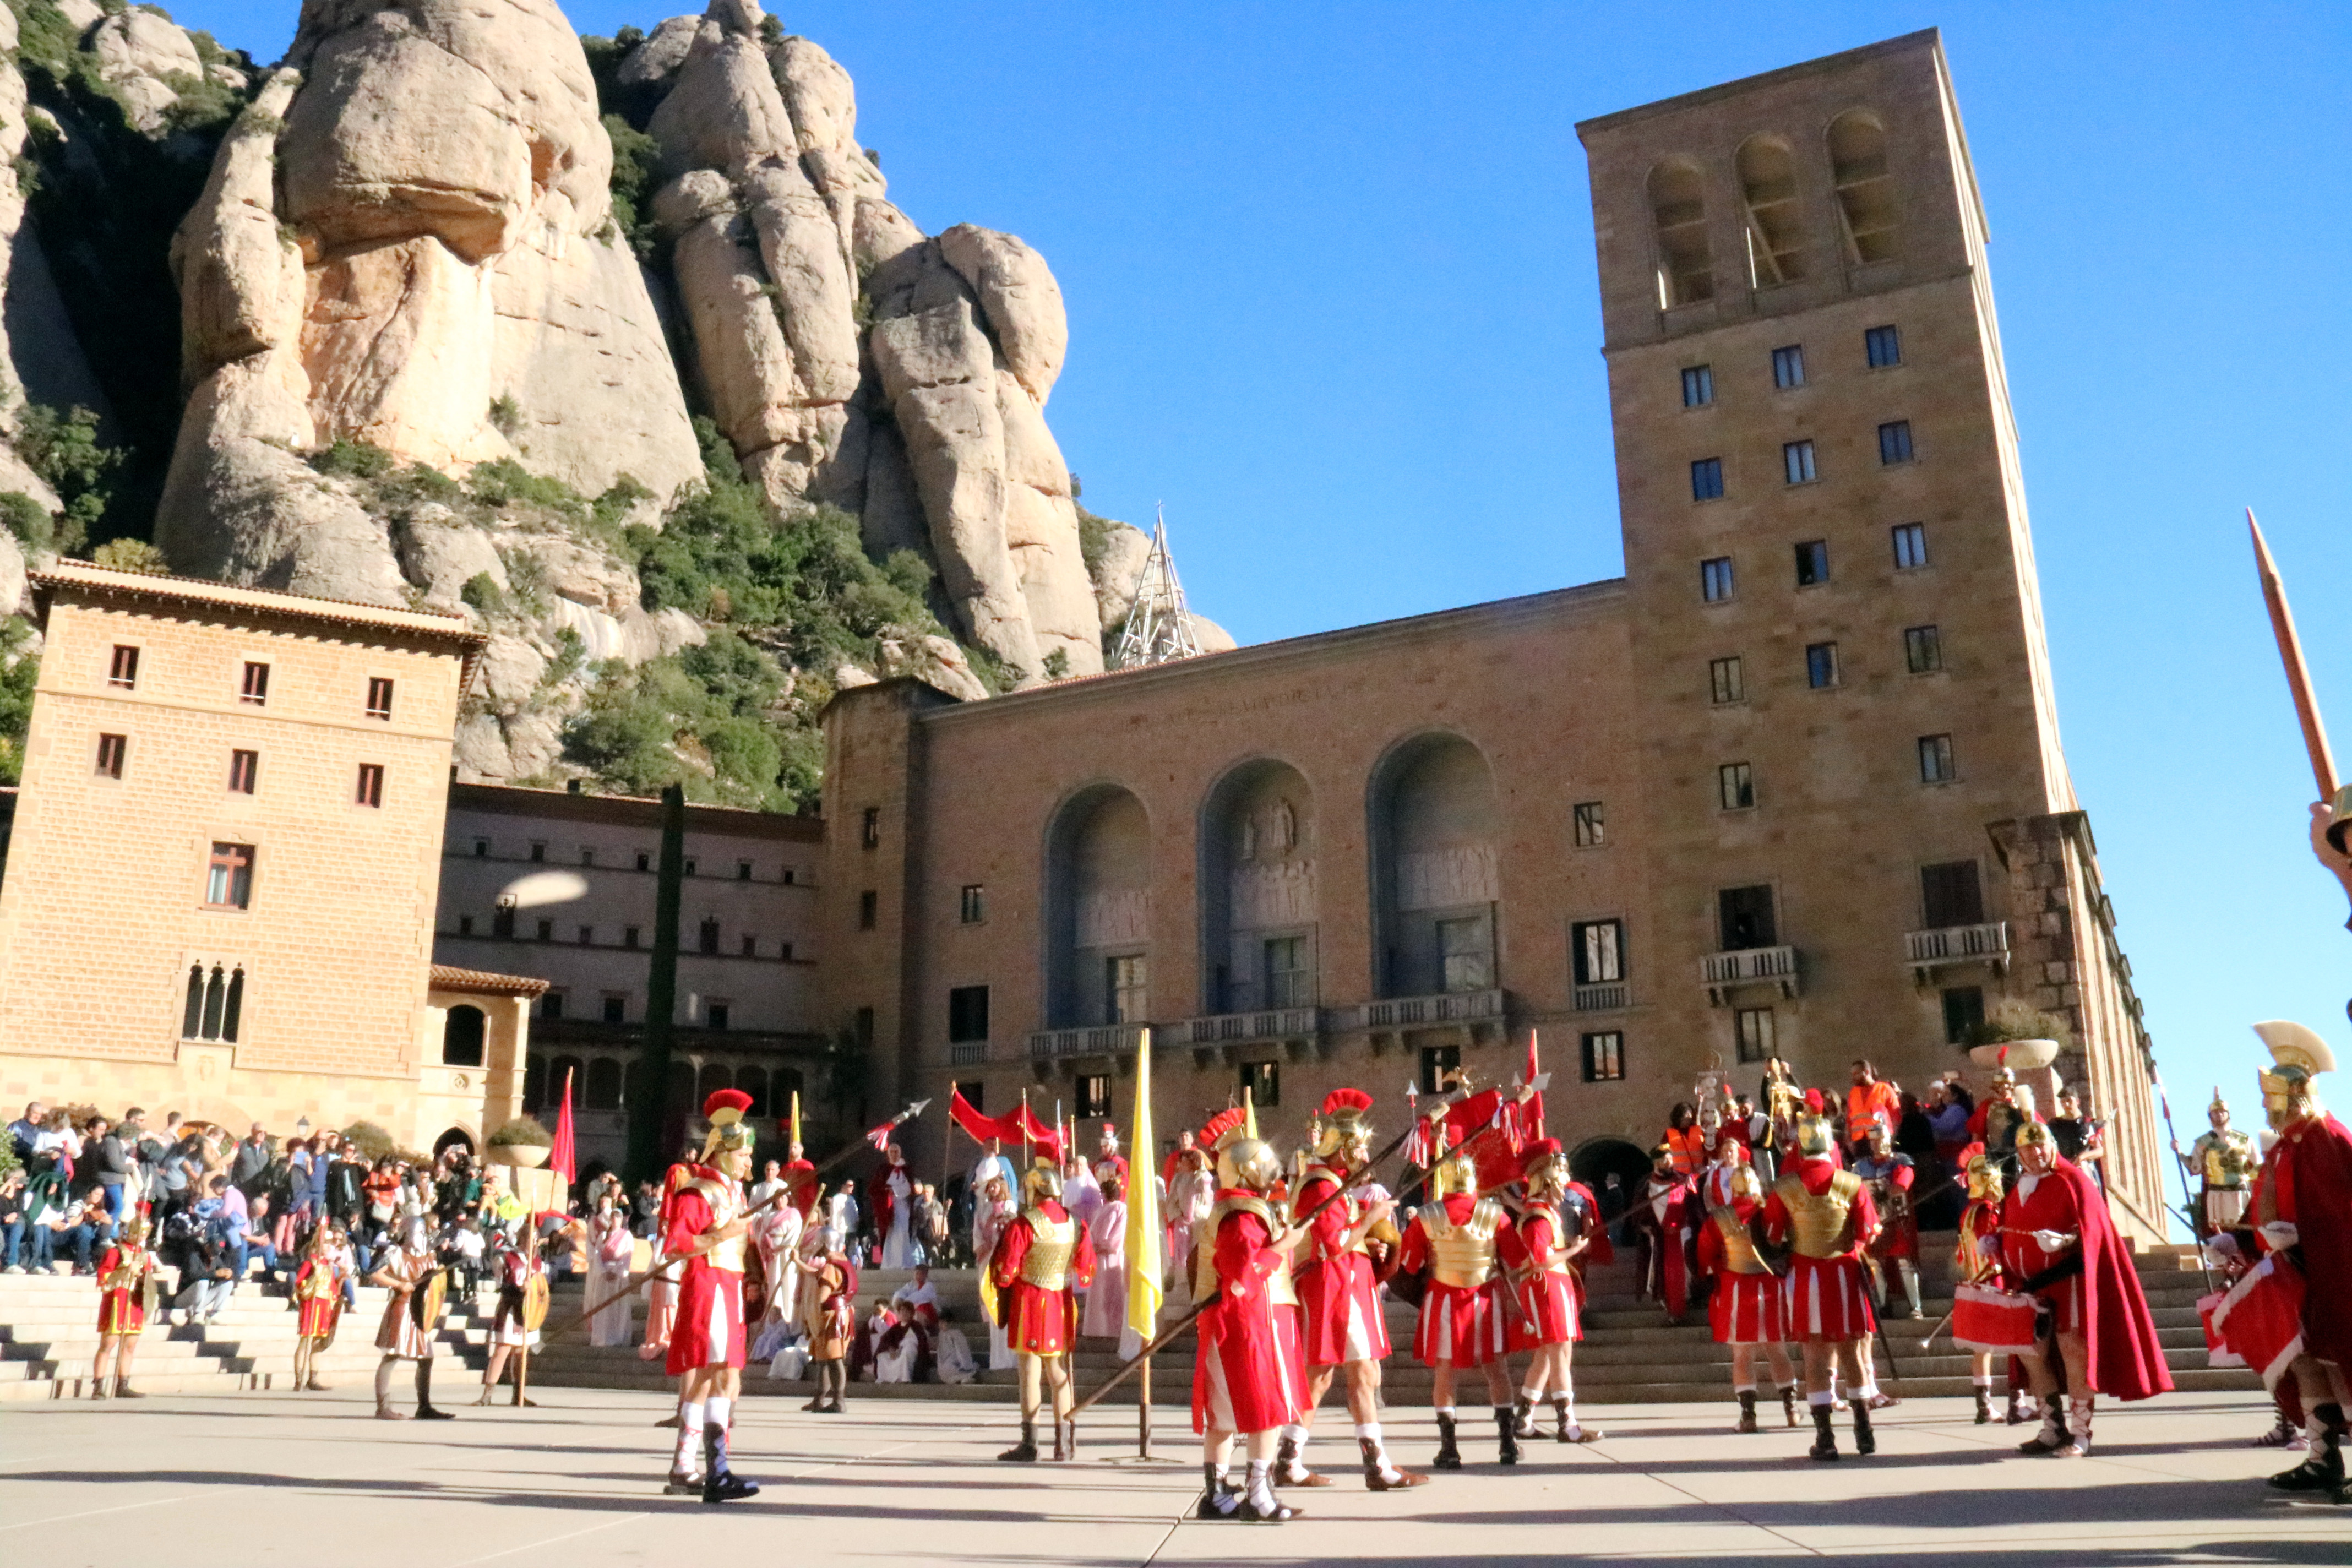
210, 905
561, 887
1793, 785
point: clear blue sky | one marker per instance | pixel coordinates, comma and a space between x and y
1331, 293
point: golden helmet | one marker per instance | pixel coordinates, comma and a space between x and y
2301, 1056
1249, 1163
1543, 1165
1745, 1183
729, 1134
1042, 1181
134, 1231
2036, 1134
1814, 1140
1453, 1171
1985, 1182
1345, 1127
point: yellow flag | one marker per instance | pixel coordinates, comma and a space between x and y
1143, 1227
796, 1115
1249, 1113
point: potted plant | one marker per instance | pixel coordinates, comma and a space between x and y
522, 1142
2032, 1037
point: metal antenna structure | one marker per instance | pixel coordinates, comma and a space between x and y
1158, 627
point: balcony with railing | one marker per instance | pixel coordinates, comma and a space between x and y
1723, 972
1608, 997
1479, 1009
1100, 1040
967, 1053
1925, 951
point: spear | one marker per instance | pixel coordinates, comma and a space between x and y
913, 1108
2298, 678
1146, 1353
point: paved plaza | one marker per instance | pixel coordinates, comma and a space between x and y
260, 1478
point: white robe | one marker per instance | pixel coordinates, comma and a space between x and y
1190, 1203
899, 1246
954, 1354
1106, 1311
988, 1223
778, 1236
1081, 1196
607, 1271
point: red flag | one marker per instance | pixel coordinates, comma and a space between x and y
565, 1158
1535, 1106
1043, 1139
1005, 1129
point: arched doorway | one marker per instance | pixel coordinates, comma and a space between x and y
1099, 911
462, 1035
454, 1138
1595, 1160
1258, 890
1435, 833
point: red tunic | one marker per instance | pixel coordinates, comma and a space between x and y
1663, 1213
1897, 1237
2103, 1301
1539, 1279
709, 1329
1828, 1298
123, 1301
1040, 1320
1745, 1309
1460, 1323
1336, 1292
319, 1286
1246, 1377
2313, 1163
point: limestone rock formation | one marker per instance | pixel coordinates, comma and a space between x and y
406, 241
930, 425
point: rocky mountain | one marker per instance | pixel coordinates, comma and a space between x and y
617, 346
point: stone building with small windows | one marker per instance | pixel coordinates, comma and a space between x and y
1790, 787
223, 863
560, 886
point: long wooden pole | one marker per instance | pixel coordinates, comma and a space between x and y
2298, 678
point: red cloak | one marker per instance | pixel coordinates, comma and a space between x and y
2313, 1163
2127, 1358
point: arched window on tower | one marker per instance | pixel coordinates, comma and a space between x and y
461, 1037
604, 1090
1865, 190
1767, 187
1678, 207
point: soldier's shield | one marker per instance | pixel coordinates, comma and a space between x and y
534, 1303
334, 1321
425, 1304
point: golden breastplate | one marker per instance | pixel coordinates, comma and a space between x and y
1462, 1256
726, 1201
1817, 1224
125, 1274
1348, 1209
1046, 1264
1971, 1258
1739, 1254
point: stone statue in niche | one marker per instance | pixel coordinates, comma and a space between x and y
1285, 827
1249, 837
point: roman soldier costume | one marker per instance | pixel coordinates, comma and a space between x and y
126, 1275
2059, 1245
2224, 1161
1449, 1244
1246, 1380
1337, 1285
1660, 1219
1975, 1260
1747, 1306
1534, 1251
319, 1300
411, 1316
1890, 1176
1036, 1269
2306, 1195
704, 1222
521, 1305
1825, 1217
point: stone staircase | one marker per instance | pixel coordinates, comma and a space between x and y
1629, 1355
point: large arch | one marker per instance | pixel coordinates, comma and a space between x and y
1098, 910
1776, 233
1258, 889
1678, 215
1867, 200
1436, 829
1595, 1160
